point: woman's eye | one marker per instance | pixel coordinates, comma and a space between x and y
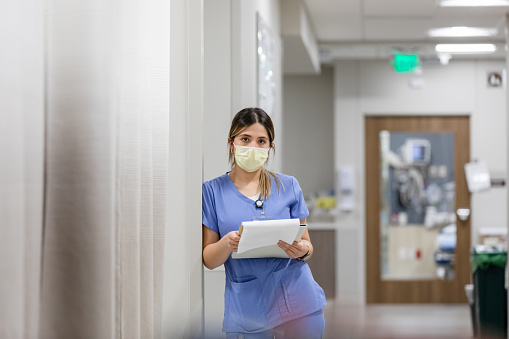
245, 139
262, 142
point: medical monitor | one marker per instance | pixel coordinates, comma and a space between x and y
416, 151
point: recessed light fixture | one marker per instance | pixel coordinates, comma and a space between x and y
465, 48
474, 3
461, 32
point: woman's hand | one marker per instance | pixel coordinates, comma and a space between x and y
295, 250
217, 250
232, 240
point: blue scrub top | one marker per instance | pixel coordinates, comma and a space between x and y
261, 293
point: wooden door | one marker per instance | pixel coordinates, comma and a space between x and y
381, 286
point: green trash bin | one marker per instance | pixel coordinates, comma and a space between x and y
490, 295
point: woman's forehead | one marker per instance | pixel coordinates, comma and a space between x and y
256, 130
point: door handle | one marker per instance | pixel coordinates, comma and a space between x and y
463, 213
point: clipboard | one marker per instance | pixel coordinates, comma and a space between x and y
272, 251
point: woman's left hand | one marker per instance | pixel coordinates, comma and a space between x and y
295, 250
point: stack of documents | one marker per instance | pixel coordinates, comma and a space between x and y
259, 238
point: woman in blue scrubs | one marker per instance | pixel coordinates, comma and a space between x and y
264, 297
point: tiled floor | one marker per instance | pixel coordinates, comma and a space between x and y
397, 321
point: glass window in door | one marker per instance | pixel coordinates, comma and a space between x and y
418, 197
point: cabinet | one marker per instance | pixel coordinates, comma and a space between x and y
323, 261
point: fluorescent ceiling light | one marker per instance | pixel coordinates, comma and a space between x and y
474, 3
461, 32
465, 48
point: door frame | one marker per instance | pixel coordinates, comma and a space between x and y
415, 291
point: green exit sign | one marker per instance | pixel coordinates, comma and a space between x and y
404, 63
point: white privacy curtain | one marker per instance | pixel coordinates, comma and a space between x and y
142, 167
21, 166
107, 168
85, 171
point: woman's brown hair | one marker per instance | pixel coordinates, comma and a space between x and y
240, 122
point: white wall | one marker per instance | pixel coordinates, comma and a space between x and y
230, 74
488, 142
230, 84
217, 99
373, 88
244, 60
183, 279
308, 112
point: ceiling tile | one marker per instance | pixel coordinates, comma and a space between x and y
399, 8
333, 7
395, 30
345, 29
335, 19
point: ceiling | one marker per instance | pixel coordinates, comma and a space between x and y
366, 29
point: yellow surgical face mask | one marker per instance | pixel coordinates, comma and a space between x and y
250, 158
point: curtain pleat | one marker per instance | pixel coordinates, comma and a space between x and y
21, 166
21, 198
78, 258
143, 166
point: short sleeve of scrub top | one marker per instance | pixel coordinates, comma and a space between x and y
260, 293
298, 208
209, 217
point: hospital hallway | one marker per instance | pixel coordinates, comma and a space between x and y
397, 321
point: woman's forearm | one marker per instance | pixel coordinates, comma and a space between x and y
216, 254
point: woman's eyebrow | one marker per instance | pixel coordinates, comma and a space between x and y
247, 135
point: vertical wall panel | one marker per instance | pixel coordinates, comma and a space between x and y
216, 121
217, 85
183, 298
176, 279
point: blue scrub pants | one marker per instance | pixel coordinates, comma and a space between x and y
310, 326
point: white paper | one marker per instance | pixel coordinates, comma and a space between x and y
478, 176
261, 233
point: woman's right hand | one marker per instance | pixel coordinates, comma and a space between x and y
232, 240
215, 250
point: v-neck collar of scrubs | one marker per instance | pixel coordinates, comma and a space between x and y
236, 190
